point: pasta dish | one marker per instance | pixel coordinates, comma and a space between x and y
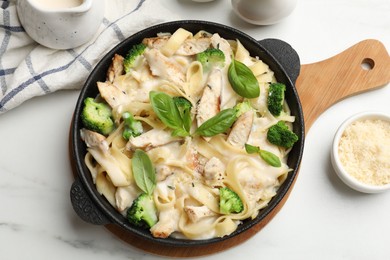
189, 131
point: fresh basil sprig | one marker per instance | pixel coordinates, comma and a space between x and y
242, 80
143, 171
252, 149
218, 123
184, 107
268, 157
222, 121
167, 111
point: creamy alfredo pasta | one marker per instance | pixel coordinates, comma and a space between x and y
189, 169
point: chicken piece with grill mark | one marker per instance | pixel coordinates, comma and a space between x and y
113, 95
164, 67
150, 139
209, 103
196, 213
188, 48
116, 68
241, 129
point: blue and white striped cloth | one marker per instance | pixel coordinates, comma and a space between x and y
28, 69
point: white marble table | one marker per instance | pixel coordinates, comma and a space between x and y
322, 219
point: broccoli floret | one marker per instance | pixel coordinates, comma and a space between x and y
97, 116
280, 135
229, 201
133, 56
143, 212
182, 102
210, 57
276, 98
132, 127
242, 107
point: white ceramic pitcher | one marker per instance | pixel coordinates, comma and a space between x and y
263, 12
60, 27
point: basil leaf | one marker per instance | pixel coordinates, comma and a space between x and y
218, 123
251, 149
270, 158
179, 132
165, 108
242, 79
184, 107
143, 171
187, 121
167, 111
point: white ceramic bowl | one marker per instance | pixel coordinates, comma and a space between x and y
263, 12
337, 165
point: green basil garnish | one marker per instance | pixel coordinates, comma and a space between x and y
251, 149
167, 111
268, 157
184, 107
218, 123
143, 171
242, 79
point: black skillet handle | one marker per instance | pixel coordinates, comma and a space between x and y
84, 207
285, 55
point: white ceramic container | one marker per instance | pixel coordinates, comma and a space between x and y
346, 177
61, 28
263, 12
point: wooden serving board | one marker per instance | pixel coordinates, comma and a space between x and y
362, 67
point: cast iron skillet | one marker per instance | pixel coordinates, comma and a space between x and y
282, 59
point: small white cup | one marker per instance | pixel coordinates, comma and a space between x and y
263, 12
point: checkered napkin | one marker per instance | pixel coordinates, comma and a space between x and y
28, 69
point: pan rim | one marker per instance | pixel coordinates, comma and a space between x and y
116, 217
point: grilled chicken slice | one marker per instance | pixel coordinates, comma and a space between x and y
188, 48
164, 67
196, 213
195, 160
214, 172
228, 97
116, 68
156, 42
193, 46
151, 139
209, 104
113, 95
241, 129
94, 140
124, 196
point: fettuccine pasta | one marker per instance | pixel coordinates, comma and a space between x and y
191, 169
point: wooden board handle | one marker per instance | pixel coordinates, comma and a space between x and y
360, 68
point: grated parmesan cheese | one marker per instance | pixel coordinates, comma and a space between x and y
364, 151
